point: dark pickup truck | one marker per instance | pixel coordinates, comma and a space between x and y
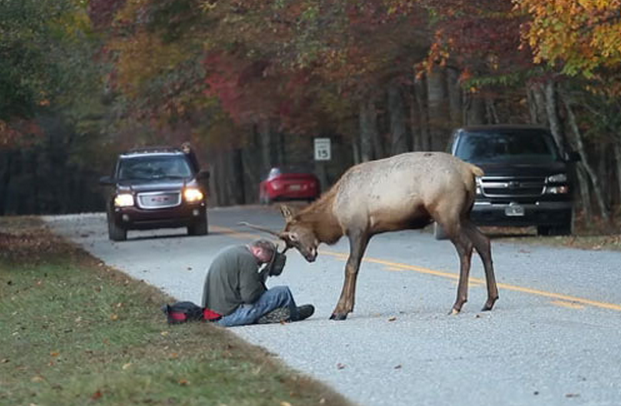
526, 183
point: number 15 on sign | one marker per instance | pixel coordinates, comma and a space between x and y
322, 149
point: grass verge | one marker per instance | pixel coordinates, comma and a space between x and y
75, 332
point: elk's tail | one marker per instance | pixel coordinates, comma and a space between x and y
476, 171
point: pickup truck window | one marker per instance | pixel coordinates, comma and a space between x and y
154, 167
506, 147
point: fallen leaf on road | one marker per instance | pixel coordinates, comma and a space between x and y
392, 318
340, 366
398, 366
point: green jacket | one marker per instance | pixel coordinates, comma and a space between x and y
233, 279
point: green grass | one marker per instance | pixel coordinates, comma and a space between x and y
75, 332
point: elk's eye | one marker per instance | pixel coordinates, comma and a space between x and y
293, 237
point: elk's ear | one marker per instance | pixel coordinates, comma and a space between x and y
286, 212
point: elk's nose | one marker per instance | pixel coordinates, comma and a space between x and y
312, 255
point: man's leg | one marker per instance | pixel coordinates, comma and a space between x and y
278, 296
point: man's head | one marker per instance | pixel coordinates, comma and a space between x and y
263, 250
186, 147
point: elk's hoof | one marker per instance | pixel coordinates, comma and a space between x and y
489, 304
338, 316
453, 312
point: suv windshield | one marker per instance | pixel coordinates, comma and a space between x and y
154, 167
506, 147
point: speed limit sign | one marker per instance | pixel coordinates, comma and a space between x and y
322, 149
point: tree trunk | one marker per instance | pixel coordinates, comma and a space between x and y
396, 109
490, 111
265, 137
536, 104
584, 161
355, 144
368, 127
420, 94
585, 196
437, 108
618, 166
552, 111
474, 109
454, 97
6, 180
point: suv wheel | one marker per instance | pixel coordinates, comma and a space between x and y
116, 233
199, 228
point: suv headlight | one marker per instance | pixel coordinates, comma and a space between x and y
558, 178
124, 200
192, 195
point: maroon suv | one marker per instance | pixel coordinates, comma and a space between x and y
155, 188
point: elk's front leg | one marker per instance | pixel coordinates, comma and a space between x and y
357, 245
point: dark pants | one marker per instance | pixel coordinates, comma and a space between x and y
278, 296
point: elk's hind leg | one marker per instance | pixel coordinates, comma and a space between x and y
463, 245
449, 218
482, 245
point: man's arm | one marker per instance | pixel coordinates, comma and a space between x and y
251, 285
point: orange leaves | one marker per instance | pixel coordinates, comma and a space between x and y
582, 34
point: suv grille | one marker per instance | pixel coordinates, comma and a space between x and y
500, 186
159, 200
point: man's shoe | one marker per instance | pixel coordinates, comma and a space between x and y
305, 311
279, 315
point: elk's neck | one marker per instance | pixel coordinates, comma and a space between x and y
321, 218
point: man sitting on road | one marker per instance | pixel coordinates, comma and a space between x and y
235, 289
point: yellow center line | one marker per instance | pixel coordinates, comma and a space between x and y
399, 266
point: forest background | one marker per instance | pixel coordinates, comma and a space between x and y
251, 83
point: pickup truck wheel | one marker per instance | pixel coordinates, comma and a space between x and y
554, 230
200, 228
438, 232
116, 233
543, 230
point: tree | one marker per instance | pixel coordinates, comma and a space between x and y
582, 36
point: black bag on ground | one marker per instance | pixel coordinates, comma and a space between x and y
182, 312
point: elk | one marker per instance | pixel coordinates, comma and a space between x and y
406, 191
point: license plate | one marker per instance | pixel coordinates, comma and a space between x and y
295, 187
514, 211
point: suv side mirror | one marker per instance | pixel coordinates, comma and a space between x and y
203, 175
106, 181
573, 156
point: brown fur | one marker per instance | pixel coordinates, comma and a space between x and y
406, 191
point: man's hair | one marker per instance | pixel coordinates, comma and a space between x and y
265, 245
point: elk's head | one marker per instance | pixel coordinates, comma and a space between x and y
299, 235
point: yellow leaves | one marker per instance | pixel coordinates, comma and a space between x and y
143, 57
583, 34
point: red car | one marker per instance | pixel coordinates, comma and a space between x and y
288, 183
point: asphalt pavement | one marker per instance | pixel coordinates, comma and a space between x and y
553, 338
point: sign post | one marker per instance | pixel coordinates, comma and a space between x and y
323, 153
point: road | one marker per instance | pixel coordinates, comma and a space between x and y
554, 337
